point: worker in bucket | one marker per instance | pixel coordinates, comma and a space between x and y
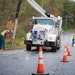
73, 39
3, 36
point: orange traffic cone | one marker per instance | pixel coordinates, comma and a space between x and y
64, 59
68, 52
40, 68
65, 49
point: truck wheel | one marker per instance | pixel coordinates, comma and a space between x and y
58, 43
54, 48
28, 47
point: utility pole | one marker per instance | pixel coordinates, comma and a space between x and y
16, 21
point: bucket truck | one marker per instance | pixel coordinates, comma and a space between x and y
46, 30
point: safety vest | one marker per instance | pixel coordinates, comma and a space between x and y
4, 32
73, 36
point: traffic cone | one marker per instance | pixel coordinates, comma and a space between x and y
65, 49
64, 59
40, 68
68, 52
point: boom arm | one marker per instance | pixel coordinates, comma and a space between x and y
38, 8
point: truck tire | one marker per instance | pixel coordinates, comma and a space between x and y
54, 48
28, 47
58, 44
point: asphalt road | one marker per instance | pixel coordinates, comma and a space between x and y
22, 62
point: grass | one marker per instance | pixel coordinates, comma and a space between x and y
19, 39
19, 43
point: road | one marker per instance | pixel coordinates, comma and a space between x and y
22, 62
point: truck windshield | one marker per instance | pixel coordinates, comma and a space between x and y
44, 21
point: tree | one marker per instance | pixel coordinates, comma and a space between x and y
52, 8
73, 13
67, 12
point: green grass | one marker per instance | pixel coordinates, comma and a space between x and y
68, 28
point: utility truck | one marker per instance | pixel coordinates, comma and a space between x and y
46, 30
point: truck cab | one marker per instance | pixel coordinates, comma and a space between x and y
45, 32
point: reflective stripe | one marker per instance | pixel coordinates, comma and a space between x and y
65, 53
40, 54
40, 61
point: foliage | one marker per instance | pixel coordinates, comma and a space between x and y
9, 25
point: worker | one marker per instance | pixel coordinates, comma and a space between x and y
2, 38
73, 39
